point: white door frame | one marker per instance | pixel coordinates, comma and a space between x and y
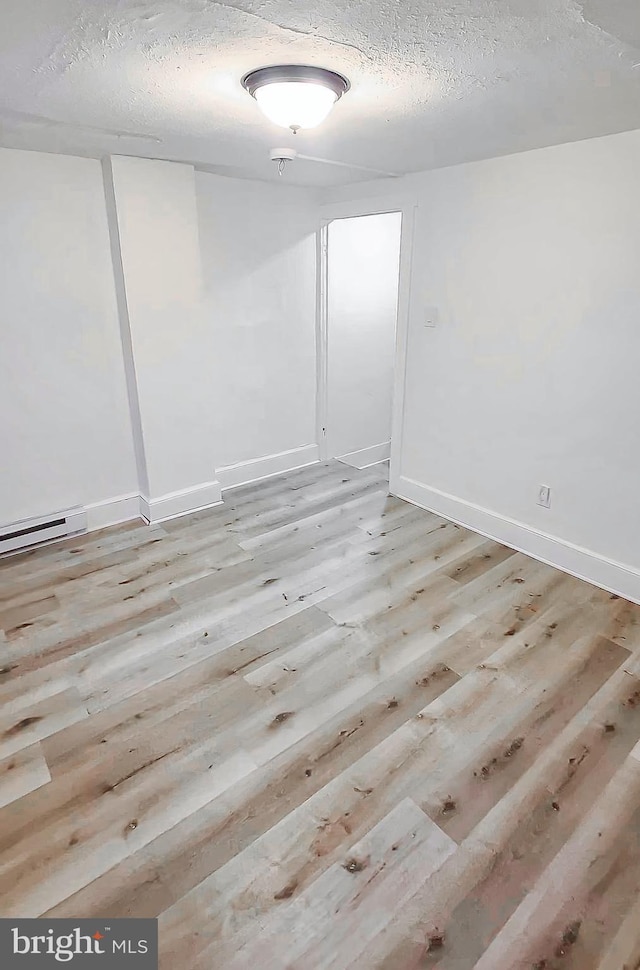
350, 210
322, 339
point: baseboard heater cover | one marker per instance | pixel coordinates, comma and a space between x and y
31, 532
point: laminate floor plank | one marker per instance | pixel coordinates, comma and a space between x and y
317, 728
22, 773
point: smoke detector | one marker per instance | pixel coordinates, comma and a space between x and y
282, 156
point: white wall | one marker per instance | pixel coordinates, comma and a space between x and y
102, 280
531, 375
363, 265
259, 266
153, 210
65, 436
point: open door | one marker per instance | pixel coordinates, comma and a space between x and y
363, 265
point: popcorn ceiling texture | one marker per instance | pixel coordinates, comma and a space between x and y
435, 82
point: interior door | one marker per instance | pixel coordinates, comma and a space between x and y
362, 302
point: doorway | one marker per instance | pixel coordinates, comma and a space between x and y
362, 268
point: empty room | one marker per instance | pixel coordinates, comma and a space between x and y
319, 473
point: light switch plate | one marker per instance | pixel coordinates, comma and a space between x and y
544, 496
431, 316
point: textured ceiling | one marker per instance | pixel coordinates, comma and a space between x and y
434, 82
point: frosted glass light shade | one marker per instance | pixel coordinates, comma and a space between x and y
295, 96
295, 104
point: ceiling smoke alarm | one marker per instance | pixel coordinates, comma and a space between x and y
282, 156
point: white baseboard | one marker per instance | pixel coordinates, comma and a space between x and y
174, 504
583, 563
367, 456
125, 508
254, 470
113, 511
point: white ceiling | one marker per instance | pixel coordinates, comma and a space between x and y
434, 82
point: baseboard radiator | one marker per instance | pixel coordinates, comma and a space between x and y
32, 532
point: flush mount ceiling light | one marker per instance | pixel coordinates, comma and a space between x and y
294, 96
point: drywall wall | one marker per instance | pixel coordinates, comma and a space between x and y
530, 376
65, 435
363, 266
152, 210
259, 268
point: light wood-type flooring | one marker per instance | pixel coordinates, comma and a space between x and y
320, 728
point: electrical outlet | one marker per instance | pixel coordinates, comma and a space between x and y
544, 496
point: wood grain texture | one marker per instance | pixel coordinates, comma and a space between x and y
319, 729
22, 773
